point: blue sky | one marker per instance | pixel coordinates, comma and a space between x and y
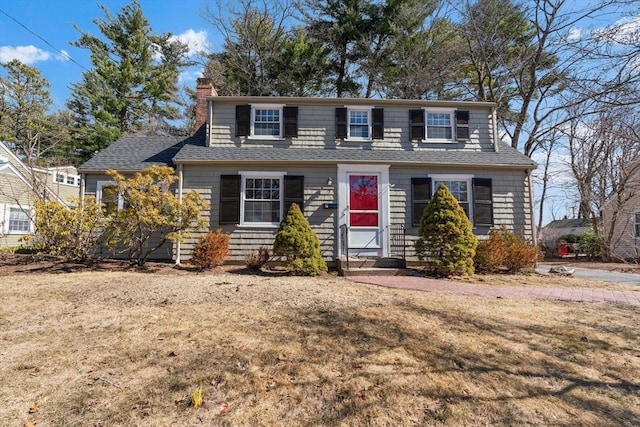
53, 21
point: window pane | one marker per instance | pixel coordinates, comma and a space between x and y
109, 199
459, 189
363, 192
439, 126
266, 122
19, 221
358, 124
71, 180
262, 200
363, 219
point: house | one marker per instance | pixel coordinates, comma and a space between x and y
361, 169
552, 232
21, 185
621, 219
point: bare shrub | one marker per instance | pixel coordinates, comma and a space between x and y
211, 250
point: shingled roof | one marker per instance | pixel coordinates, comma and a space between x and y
137, 153
507, 156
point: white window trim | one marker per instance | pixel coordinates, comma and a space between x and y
257, 174
467, 178
452, 115
65, 176
369, 118
6, 217
99, 186
255, 107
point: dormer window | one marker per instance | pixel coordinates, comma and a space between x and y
266, 121
359, 123
439, 125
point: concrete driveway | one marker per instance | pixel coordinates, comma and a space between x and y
590, 273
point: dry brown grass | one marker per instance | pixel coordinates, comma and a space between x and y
128, 348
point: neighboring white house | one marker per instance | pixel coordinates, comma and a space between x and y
21, 185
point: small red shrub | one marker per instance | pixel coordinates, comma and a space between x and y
211, 250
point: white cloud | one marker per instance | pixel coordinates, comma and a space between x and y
187, 77
195, 40
627, 30
574, 34
63, 56
25, 54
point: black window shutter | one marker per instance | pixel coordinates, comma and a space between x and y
341, 123
482, 202
462, 125
420, 196
243, 120
293, 192
416, 124
290, 121
229, 199
377, 115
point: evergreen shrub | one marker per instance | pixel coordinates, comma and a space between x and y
446, 242
297, 242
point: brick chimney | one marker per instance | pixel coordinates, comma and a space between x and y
203, 90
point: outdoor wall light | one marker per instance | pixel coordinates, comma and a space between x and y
329, 181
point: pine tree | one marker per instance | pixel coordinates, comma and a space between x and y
299, 244
446, 240
132, 86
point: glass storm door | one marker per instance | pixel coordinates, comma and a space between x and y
364, 215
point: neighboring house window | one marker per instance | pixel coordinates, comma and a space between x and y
637, 224
108, 197
267, 121
362, 123
59, 178
475, 196
71, 180
258, 198
438, 125
19, 221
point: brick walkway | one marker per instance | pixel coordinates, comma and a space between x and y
560, 294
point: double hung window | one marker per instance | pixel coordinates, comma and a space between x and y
359, 124
262, 202
267, 121
259, 198
19, 221
439, 125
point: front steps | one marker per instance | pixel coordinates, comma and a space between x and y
372, 267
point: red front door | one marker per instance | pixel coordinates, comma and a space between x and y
364, 213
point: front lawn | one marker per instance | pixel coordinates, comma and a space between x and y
129, 348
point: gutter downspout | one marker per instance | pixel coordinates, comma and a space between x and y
179, 244
83, 182
534, 233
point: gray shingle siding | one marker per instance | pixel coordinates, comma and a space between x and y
316, 154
